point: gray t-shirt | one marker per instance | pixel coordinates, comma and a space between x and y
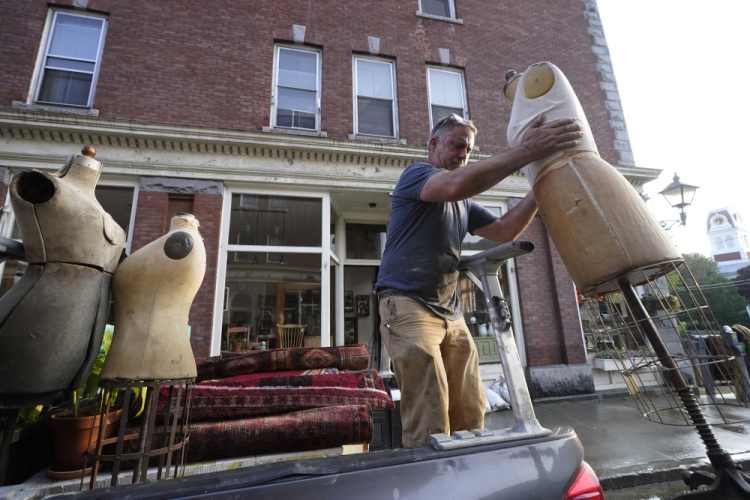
424, 242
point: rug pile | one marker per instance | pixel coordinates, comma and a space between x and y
282, 400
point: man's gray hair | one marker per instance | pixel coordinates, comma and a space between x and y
447, 123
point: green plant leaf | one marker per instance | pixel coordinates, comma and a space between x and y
140, 391
30, 414
92, 382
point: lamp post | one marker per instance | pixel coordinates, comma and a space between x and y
678, 195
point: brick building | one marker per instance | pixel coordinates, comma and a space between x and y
283, 126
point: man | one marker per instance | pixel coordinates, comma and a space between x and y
434, 357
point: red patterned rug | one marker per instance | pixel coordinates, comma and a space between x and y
300, 430
353, 357
233, 398
368, 379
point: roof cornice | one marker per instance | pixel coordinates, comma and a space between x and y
98, 131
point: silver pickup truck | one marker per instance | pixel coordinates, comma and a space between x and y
525, 461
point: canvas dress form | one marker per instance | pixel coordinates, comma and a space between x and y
153, 290
53, 319
597, 221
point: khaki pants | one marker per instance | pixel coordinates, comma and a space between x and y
437, 370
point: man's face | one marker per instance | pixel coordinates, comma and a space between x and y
453, 150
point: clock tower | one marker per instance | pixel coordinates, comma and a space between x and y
728, 235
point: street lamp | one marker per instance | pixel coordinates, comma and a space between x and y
678, 195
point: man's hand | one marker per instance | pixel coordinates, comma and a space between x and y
543, 140
538, 142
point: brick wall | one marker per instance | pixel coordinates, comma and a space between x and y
207, 208
152, 216
551, 328
211, 64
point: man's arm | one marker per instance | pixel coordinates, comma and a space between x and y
512, 223
538, 142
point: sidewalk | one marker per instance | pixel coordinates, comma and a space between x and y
627, 450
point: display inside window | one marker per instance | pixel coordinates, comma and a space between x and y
374, 98
477, 317
297, 89
365, 241
275, 221
446, 93
263, 297
614, 315
71, 60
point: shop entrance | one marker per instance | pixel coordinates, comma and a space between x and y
361, 317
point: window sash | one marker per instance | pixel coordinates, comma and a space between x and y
373, 100
68, 79
442, 99
296, 103
440, 8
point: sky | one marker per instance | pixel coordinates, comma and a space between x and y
680, 68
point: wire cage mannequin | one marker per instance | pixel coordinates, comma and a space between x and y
158, 438
677, 311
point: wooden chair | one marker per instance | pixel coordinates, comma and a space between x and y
238, 331
290, 335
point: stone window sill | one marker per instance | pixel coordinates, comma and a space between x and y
289, 131
51, 108
439, 18
381, 140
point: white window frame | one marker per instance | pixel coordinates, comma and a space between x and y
327, 257
515, 304
451, 8
42, 57
463, 91
394, 101
275, 91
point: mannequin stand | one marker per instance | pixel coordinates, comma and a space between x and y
162, 433
729, 481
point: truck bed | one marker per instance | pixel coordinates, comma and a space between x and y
526, 468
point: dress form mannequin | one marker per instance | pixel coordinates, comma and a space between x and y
599, 224
153, 290
53, 319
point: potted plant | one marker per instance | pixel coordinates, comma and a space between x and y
71, 429
237, 344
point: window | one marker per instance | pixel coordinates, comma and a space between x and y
440, 8
719, 243
374, 113
296, 95
71, 60
265, 288
446, 93
730, 242
477, 243
365, 241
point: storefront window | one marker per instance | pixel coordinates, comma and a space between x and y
262, 296
365, 241
606, 330
275, 221
477, 316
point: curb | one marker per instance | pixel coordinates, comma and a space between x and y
666, 475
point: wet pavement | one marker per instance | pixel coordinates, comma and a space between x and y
636, 458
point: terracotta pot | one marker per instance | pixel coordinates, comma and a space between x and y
237, 346
70, 436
